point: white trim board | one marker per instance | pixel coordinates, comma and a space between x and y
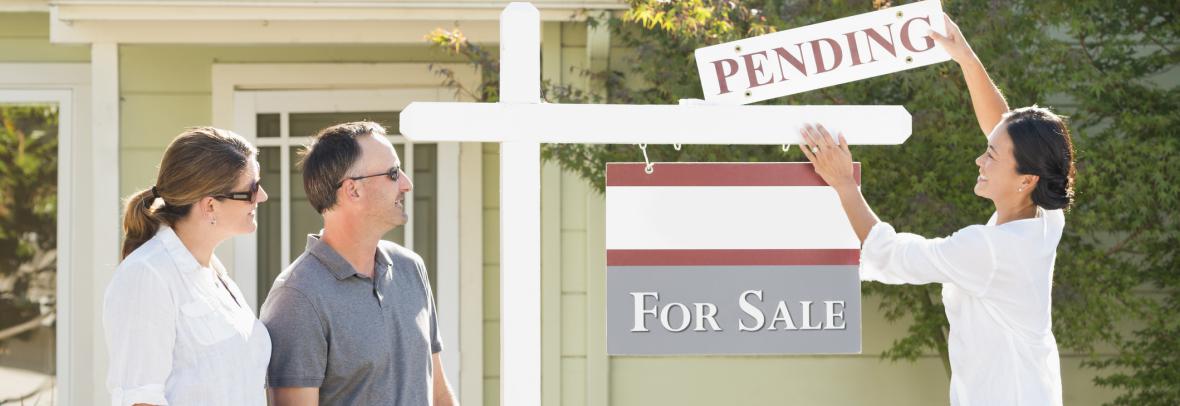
65, 315
290, 22
24, 6
104, 176
314, 11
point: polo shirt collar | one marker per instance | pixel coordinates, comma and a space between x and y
336, 263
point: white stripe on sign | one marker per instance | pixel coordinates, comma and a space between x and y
726, 217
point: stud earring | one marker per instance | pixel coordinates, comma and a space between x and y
213, 221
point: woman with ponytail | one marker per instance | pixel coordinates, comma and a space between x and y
996, 277
178, 329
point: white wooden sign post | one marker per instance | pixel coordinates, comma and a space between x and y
520, 122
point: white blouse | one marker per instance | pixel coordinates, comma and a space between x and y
996, 287
176, 336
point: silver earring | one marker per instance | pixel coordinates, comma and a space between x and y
213, 221
1021, 189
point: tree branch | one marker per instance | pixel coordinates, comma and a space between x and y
23, 327
1086, 51
1122, 244
928, 305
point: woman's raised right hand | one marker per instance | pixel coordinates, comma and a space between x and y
953, 42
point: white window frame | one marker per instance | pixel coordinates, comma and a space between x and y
460, 311
249, 104
67, 86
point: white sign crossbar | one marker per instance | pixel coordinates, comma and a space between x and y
650, 124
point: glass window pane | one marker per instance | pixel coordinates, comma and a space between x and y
28, 252
304, 219
425, 177
308, 124
269, 221
268, 126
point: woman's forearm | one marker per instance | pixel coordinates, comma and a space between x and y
858, 211
989, 103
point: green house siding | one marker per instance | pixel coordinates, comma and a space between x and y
491, 274
165, 88
24, 37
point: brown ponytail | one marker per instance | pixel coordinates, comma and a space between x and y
139, 224
200, 162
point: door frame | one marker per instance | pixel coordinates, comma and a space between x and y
249, 104
68, 86
339, 87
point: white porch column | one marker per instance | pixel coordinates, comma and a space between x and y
106, 214
520, 214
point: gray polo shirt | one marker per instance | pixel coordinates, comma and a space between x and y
362, 341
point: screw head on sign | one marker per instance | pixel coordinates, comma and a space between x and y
909, 59
737, 48
899, 14
748, 93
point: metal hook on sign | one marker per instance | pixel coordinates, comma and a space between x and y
676, 146
786, 147
647, 165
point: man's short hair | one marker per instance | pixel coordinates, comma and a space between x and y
328, 158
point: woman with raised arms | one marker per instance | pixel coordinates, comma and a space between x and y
996, 277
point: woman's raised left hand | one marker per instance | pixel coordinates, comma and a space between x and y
831, 158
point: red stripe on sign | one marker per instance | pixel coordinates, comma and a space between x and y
718, 174
732, 257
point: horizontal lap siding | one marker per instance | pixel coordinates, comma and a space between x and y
24, 38
165, 88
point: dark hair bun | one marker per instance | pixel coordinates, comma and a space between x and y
1053, 193
1043, 147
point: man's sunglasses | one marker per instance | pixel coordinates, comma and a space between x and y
242, 196
392, 174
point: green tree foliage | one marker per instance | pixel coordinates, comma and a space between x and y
1099, 62
1119, 64
28, 215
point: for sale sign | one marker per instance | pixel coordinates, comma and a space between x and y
729, 258
821, 55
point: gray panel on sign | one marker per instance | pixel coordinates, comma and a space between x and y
722, 286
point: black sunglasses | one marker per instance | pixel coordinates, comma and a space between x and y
393, 174
242, 196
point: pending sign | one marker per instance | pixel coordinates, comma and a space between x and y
821, 55
729, 258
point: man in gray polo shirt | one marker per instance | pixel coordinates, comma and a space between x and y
352, 320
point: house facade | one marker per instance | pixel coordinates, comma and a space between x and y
126, 76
